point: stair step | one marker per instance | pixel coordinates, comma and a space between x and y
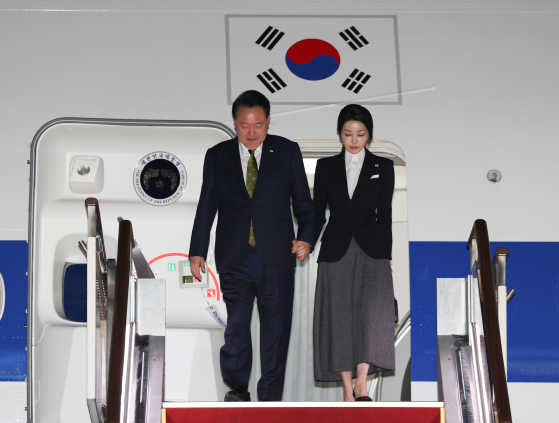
307, 412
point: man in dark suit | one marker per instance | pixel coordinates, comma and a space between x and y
251, 181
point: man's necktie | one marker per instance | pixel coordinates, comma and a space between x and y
252, 176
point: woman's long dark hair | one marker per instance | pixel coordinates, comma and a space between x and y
357, 113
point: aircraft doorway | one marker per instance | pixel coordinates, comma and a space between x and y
299, 379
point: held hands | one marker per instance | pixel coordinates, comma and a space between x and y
197, 263
302, 249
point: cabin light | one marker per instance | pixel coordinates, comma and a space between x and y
494, 176
86, 175
83, 170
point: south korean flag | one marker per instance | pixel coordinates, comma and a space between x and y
314, 59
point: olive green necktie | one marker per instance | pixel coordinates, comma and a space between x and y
252, 176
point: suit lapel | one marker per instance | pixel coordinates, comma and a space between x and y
367, 170
341, 174
236, 169
269, 162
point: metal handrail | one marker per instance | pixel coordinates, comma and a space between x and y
100, 281
499, 266
95, 229
480, 254
118, 342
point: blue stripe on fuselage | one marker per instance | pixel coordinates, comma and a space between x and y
13, 335
533, 314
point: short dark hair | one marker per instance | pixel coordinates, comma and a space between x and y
357, 113
250, 99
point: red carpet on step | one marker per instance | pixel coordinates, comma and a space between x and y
306, 415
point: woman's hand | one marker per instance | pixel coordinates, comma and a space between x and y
302, 249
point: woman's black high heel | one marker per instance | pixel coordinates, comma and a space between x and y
365, 398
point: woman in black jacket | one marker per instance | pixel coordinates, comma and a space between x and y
353, 334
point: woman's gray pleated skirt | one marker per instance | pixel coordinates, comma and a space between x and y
353, 315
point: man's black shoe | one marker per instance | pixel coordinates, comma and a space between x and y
237, 395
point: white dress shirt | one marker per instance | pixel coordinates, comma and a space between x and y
353, 165
245, 155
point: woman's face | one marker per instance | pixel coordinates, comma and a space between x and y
354, 136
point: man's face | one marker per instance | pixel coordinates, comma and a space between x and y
251, 125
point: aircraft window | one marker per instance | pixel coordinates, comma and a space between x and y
75, 292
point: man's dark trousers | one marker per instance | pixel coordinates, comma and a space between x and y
273, 289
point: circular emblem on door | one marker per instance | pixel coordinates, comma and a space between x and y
160, 178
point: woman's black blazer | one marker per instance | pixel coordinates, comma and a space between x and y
367, 216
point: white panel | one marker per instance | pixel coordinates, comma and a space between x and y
424, 391
452, 306
13, 401
150, 307
533, 402
91, 316
192, 371
502, 312
59, 363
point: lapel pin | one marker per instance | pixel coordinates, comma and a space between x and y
376, 164
271, 151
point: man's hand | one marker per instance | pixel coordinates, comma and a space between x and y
197, 263
302, 249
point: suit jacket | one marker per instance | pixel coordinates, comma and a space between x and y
367, 216
281, 180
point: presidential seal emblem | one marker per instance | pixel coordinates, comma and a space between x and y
160, 178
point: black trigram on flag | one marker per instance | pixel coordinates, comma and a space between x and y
356, 80
271, 80
353, 38
270, 38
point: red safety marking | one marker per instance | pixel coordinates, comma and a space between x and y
211, 293
167, 255
216, 284
186, 255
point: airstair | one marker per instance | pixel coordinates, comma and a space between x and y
471, 342
126, 347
